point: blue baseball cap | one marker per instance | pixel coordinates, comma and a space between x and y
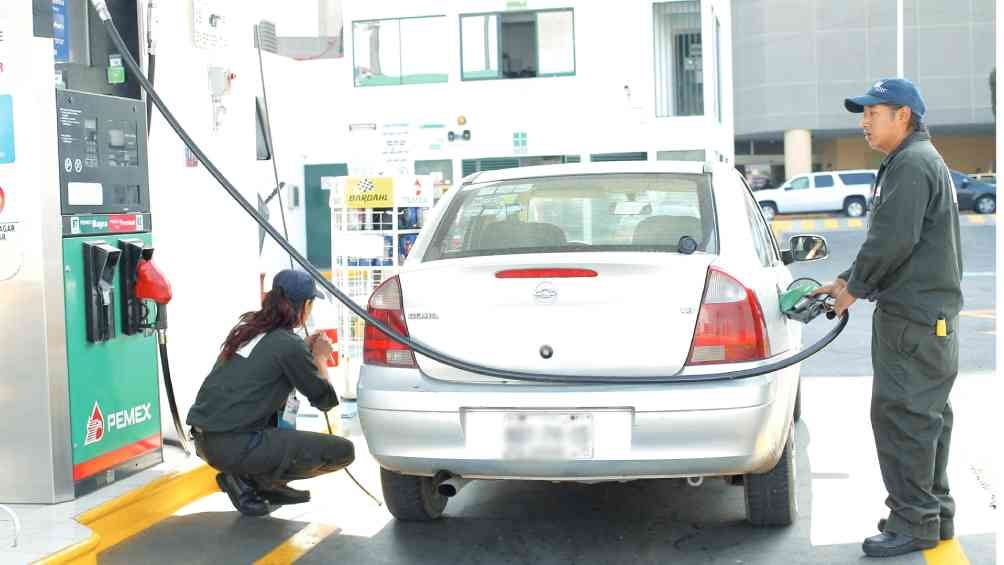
297, 285
889, 91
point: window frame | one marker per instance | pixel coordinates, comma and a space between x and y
775, 248
446, 64
498, 38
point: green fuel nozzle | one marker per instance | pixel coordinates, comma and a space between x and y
797, 303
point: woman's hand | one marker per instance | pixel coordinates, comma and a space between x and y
320, 345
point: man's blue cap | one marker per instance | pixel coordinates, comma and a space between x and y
297, 285
889, 91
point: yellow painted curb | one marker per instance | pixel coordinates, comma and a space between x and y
121, 518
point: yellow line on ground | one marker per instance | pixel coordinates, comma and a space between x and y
984, 314
831, 224
297, 546
948, 552
783, 225
808, 225
976, 219
855, 223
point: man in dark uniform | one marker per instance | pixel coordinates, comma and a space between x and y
911, 266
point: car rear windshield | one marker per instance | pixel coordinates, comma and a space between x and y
857, 178
617, 212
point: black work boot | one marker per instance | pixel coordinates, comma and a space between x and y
243, 496
947, 528
888, 544
278, 492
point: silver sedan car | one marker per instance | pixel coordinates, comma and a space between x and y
601, 269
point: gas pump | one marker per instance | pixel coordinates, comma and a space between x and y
79, 383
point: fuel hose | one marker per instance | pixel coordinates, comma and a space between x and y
780, 362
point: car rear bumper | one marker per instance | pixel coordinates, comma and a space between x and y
420, 426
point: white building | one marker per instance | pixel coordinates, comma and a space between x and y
530, 81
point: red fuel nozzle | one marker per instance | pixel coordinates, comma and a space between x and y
151, 283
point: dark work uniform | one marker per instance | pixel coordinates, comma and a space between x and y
232, 419
911, 265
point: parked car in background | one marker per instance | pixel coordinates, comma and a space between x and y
849, 192
989, 178
975, 195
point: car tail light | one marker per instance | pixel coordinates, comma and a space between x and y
387, 306
730, 326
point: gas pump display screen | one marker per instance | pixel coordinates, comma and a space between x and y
102, 144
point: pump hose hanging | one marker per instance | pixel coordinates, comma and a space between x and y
784, 361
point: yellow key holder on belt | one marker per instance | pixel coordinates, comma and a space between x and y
941, 327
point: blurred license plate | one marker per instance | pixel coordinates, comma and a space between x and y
550, 436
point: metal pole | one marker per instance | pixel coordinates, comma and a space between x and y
899, 38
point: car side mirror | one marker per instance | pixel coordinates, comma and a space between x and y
965, 183
805, 249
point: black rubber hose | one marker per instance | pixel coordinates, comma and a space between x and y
169, 390
151, 65
417, 346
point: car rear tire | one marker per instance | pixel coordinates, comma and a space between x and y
771, 496
410, 498
986, 205
769, 210
855, 207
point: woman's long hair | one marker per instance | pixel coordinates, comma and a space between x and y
277, 311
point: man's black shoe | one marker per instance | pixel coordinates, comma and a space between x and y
243, 496
947, 528
888, 544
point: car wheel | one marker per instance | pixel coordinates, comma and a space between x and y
410, 498
770, 496
855, 207
798, 403
986, 205
769, 210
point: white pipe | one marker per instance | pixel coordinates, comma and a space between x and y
17, 524
695, 481
899, 38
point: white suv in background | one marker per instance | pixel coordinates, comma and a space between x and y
832, 191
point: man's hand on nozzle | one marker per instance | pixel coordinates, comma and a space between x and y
834, 289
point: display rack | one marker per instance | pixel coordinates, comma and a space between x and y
368, 245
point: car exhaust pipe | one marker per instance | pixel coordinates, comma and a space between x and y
695, 481
451, 486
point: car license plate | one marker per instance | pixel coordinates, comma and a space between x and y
547, 436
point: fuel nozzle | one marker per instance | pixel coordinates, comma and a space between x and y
798, 303
151, 284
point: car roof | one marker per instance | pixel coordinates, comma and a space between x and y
619, 167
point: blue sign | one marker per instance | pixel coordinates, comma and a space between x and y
60, 33
6, 129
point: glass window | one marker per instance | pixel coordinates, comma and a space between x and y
400, 51
556, 51
479, 42
824, 181
685, 155
857, 178
643, 212
763, 237
800, 183
517, 44
679, 67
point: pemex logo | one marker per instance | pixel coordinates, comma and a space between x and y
95, 426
